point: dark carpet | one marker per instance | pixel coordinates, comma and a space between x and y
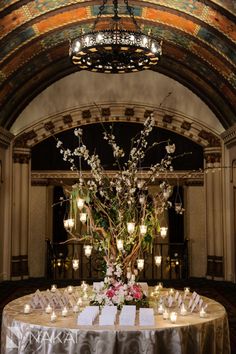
223, 292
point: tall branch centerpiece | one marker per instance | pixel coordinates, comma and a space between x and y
119, 215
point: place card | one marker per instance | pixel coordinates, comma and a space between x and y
108, 316
176, 295
88, 315
170, 301
146, 317
180, 300
127, 315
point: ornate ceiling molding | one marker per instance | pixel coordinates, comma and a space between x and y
199, 43
118, 112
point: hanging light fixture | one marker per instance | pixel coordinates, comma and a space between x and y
158, 260
115, 49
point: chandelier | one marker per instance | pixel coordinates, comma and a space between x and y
117, 49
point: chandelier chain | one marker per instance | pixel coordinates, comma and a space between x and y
101, 9
131, 13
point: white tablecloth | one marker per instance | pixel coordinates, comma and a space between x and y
35, 333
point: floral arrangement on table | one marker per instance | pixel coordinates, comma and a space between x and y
117, 215
114, 291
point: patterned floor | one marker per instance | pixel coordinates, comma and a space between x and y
223, 292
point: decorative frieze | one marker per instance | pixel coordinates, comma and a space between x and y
212, 155
229, 136
212, 139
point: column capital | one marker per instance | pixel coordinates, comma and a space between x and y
212, 154
5, 138
21, 155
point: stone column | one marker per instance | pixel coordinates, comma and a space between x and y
5, 202
214, 213
20, 222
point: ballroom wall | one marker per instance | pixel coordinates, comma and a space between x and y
83, 89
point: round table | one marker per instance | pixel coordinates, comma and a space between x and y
35, 333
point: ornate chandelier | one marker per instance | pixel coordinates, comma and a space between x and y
115, 49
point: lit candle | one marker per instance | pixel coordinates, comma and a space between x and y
70, 289
173, 317
143, 229
53, 288
202, 312
159, 287
165, 315
171, 291
64, 312
160, 309
75, 264
83, 217
158, 260
183, 310
140, 263
48, 309
186, 291
80, 203
80, 302
88, 250
27, 308
120, 244
163, 231
75, 308
53, 317
130, 227
84, 286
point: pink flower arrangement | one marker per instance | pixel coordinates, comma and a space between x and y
114, 291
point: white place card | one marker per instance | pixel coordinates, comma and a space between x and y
176, 295
127, 315
180, 300
170, 300
88, 315
146, 317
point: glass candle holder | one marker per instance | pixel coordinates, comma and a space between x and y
27, 308
173, 317
70, 289
64, 312
53, 288
165, 314
53, 317
48, 309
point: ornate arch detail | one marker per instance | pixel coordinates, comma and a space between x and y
168, 119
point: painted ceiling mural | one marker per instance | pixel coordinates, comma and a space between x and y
199, 47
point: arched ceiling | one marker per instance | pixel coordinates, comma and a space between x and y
199, 48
